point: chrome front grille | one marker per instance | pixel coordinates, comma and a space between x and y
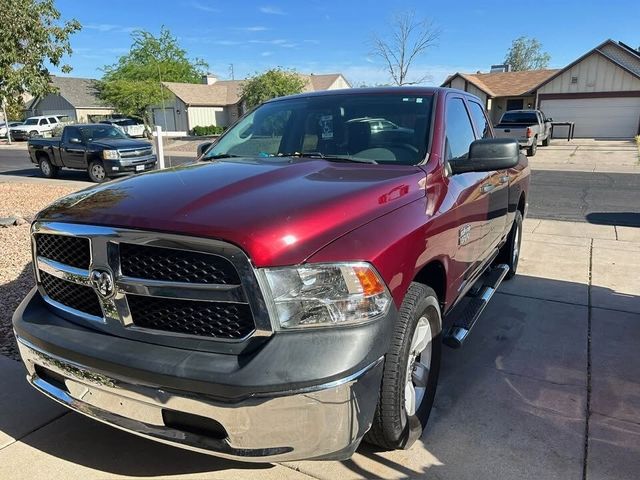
136, 152
161, 288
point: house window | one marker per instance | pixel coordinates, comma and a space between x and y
574, 79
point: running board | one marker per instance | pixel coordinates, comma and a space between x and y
467, 317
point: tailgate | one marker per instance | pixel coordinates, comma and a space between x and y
506, 131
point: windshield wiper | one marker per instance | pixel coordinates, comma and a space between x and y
337, 158
220, 155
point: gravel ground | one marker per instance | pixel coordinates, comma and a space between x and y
16, 278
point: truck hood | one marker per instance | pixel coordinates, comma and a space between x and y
280, 211
119, 143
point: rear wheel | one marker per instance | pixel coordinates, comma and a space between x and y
47, 168
410, 374
97, 172
510, 251
531, 151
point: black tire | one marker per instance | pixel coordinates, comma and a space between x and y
47, 169
97, 172
393, 427
510, 251
531, 151
547, 141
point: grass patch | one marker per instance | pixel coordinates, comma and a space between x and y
638, 144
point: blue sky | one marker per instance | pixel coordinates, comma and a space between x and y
313, 36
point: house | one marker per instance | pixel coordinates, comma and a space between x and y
75, 97
219, 102
599, 91
501, 91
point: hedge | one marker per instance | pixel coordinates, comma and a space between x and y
208, 130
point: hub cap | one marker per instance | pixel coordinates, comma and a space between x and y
98, 172
45, 167
418, 366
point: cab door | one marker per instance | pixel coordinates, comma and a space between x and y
470, 191
497, 186
72, 148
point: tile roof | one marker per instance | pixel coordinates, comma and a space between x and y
79, 92
227, 92
507, 84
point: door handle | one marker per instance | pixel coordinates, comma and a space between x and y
504, 179
487, 187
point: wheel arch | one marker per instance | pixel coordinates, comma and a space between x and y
434, 275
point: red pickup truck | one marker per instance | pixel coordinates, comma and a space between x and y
288, 294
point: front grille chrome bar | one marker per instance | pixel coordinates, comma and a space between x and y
117, 318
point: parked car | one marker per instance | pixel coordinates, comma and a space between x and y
132, 127
102, 150
527, 126
34, 126
290, 292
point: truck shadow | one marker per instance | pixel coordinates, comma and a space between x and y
514, 395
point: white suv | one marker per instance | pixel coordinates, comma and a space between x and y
33, 126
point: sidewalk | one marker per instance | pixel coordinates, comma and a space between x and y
552, 367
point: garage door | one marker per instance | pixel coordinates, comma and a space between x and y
597, 117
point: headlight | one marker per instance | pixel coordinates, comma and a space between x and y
110, 154
317, 295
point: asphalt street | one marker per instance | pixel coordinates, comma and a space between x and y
599, 198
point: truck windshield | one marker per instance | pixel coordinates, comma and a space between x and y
92, 132
520, 117
373, 128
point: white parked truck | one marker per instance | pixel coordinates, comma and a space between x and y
527, 126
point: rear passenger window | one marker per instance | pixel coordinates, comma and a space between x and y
479, 118
459, 132
43, 121
52, 120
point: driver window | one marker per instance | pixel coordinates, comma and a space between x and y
459, 132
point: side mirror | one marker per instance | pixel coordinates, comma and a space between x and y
75, 140
487, 155
203, 147
549, 119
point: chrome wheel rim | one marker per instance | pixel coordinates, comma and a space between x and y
516, 245
45, 167
418, 366
98, 172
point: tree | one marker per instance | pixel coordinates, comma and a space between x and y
526, 54
133, 84
33, 37
409, 39
270, 84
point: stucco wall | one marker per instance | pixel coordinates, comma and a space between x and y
594, 74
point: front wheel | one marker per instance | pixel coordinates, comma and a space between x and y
547, 141
410, 374
97, 173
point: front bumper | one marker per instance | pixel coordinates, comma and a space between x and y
327, 422
186, 400
121, 167
20, 135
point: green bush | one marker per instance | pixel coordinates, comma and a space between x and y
208, 130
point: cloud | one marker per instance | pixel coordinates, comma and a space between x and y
280, 42
203, 7
109, 27
266, 54
257, 28
271, 10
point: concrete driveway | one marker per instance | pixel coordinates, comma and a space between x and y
548, 386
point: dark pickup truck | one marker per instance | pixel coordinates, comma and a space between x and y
290, 293
104, 151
